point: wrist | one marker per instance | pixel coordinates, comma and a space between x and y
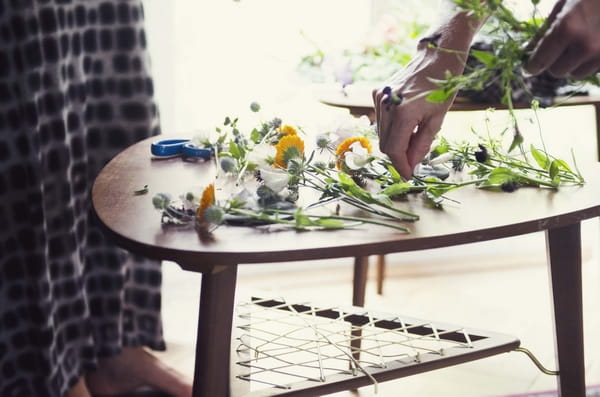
454, 33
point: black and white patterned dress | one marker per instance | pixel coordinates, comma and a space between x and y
74, 92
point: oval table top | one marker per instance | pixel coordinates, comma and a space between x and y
479, 215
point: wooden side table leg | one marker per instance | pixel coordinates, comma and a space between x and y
380, 273
597, 110
361, 267
563, 245
213, 341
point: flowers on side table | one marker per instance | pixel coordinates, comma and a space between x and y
273, 174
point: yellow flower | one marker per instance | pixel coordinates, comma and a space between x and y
288, 147
208, 199
287, 129
344, 147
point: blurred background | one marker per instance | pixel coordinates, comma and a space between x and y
211, 57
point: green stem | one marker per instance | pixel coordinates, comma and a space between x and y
356, 202
261, 216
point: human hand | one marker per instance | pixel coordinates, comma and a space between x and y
570, 46
406, 130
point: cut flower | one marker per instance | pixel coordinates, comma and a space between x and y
287, 129
262, 155
357, 157
207, 200
349, 145
289, 147
274, 179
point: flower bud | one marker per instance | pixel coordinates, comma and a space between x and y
255, 107
161, 201
322, 141
227, 164
213, 214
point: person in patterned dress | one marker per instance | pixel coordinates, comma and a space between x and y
76, 313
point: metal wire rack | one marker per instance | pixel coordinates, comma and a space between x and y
301, 349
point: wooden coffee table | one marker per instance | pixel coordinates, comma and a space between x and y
135, 225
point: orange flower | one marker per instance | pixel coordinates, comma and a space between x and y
287, 129
208, 199
345, 147
288, 147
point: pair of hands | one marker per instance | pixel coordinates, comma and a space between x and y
569, 47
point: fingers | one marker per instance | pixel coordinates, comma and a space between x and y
549, 20
396, 146
420, 143
376, 103
548, 50
587, 69
395, 133
403, 135
570, 46
571, 59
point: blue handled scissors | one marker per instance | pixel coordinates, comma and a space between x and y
179, 147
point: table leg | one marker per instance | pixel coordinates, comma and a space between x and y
563, 245
361, 267
597, 110
380, 273
213, 341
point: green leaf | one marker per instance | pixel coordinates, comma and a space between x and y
499, 175
439, 190
432, 201
556, 181
485, 57
554, 169
439, 96
141, 191
397, 189
255, 135
540, 158
351, 188
441, 148
563, 165
394, 174
381, 199
516, 142
234, 149
328, 223
302, 221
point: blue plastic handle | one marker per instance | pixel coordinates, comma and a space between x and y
168, 147
191, 150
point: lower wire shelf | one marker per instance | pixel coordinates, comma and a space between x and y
299, 349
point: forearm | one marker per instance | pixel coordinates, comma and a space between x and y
453, 31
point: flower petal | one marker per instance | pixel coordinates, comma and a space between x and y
275, 179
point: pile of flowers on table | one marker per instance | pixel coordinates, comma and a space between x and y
266, 174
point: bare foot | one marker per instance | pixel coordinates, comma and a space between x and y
132, 368
79, 389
